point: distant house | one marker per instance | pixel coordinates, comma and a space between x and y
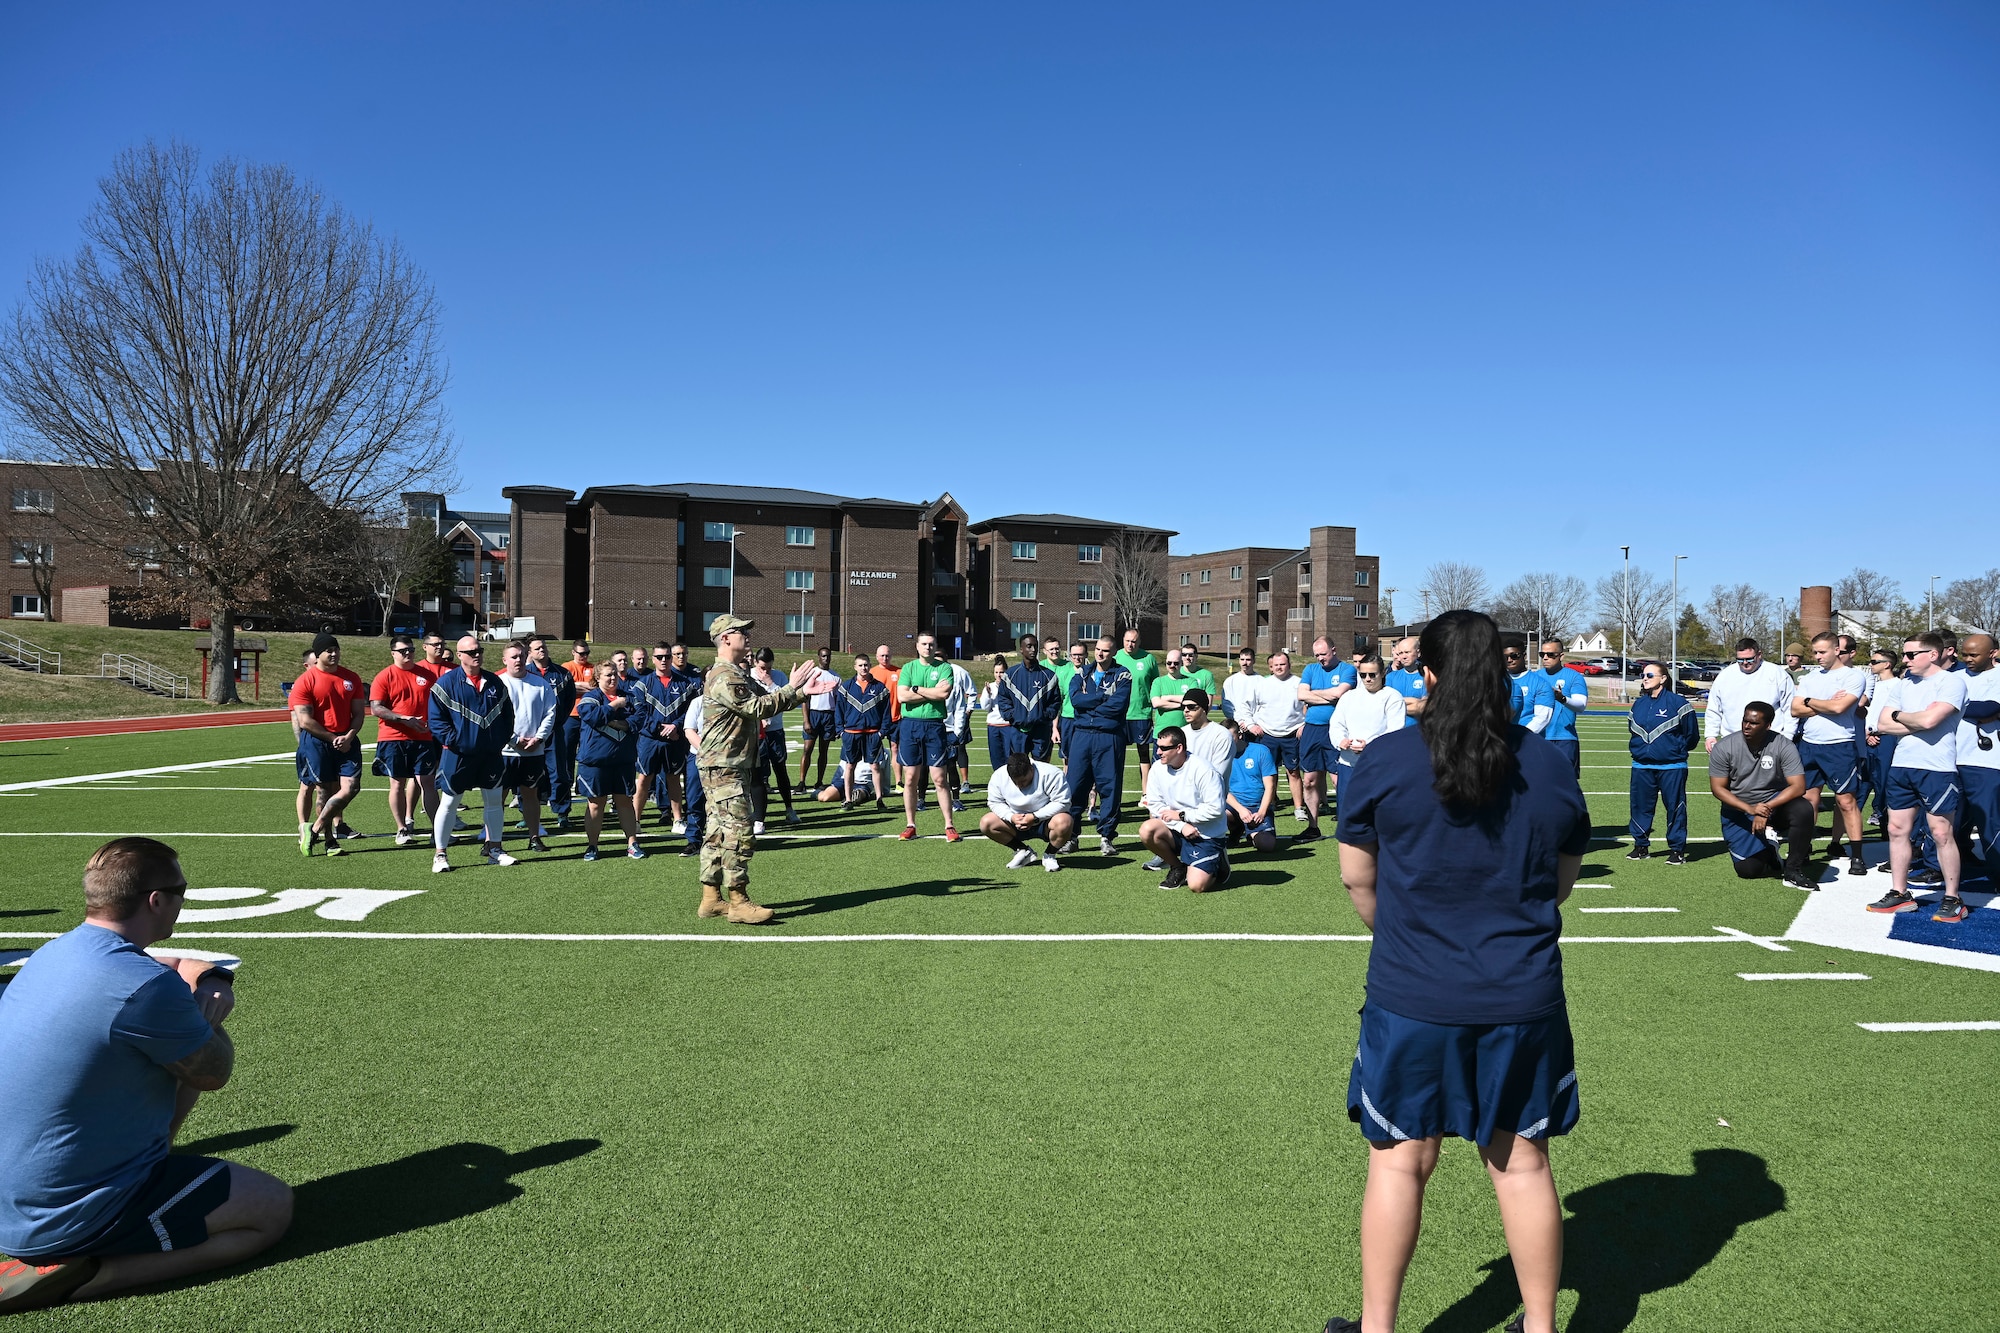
1590, 643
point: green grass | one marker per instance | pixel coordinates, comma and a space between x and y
1042, 1135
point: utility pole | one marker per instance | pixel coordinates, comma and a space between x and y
1625, 627
1674, 671
1930, 603
732, 569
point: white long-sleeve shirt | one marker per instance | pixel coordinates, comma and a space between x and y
1047, 795
1734, 688
1194, 790
1214, 746
1362, 715
1279, 710
1239, 693
958, 704
534, 710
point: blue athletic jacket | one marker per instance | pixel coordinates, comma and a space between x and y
472, 721
1664, 730
650, 695
682, 689
860, 705
564, 685
1098, 707
1029, 695
609, 741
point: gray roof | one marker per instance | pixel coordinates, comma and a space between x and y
770, 495
480, 516
1066, 520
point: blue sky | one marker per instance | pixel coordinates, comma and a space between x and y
1504, 284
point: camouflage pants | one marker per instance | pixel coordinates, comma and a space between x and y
728, 846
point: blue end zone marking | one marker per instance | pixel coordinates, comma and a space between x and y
1978, 933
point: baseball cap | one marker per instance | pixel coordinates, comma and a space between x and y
725, 622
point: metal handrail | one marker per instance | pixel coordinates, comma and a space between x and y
144, 675
29, 656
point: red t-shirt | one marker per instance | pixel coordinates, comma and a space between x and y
888, 675
332, 695
404, 690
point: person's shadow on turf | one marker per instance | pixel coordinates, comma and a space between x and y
1630, 1236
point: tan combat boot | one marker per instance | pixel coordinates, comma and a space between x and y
743, 912
711, 902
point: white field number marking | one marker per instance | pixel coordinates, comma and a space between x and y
1805, 976
331, 904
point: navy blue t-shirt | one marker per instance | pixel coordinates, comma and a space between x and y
1466, 922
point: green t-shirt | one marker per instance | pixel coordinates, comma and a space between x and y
1064, 674
1165, 687
1205, 678
918, 674
1145, 669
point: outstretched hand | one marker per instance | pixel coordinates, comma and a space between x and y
822, 683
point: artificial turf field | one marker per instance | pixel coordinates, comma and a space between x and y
732, 1132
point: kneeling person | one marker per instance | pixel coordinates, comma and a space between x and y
1187, 829
1253, 792
1028, 799
1756, 775
106, 1050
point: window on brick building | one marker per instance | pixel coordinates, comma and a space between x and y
680, 578
1361, 610
1090, 592
1186, 639
1186, 607
34, 553
715, 576
1236, 638
1090, 555
1204, 608
1024, 551
1360, 578
1204, 640
798, 624
28, 605
34, 500
798, 536
708, 618
717, 532
1089, 629
1207, 574
680, 532
798, 580
1236, 605
1017, 628
1186, 578
1236, 573
1023, 591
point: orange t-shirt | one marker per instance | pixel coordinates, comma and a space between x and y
585, 676
404, 690
887, 676
332, 695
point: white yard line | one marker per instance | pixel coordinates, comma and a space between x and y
1805, 976
83, 778
1931, 1027
1628, 909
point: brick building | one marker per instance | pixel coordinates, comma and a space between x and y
1271, 598
479, 543
1055, 574
41, 559
635, 564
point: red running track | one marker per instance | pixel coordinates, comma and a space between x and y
119, 726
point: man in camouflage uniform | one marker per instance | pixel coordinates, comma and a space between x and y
733, 711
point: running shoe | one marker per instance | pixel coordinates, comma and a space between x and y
1895, 900
496, 856
1021, 860
1106, 847
1050, 864
757, 829
590, 853
1677, 858
1951, 910
680, 826
26, 1285
1155, 864
957, 806
951, 835
909, 832
1925, 879
792, 817
402, 837
1298, 814
343, 829
1312, 834
690, 849
1067, 848
333, 847
636, 852
1339, 1325
1638, 854
535, 844
1176, 877
1857, 866
440, 864
306, 839
1799, 879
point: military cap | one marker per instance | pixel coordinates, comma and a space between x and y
724, 623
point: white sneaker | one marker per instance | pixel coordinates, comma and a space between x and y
680, 827
1105, 847
757, 828
440, 864
1050, 864
402, 837
1021, 860
1299, 814
497, 857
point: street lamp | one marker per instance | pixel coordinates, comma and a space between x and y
486, 599
802, 613
732, 569
1038, 622
1625, 628
1674, 671
1930, 603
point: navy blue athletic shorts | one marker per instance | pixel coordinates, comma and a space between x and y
1316, 752
405, 759
1267, 824
1139, 735
1414, 1080
860, 747
593, 783
1924, 788
922, 743
657, 758
1835, 767
1284, 749
458, 774
169, 1211
818, 725
1204, 854
521, 772
320, 765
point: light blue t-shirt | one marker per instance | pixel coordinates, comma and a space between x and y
1531, 691
1562, 684
1247, 773
1409, 684
1317, 677
84, 1103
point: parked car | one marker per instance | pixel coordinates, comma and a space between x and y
1700, 671
1587, 668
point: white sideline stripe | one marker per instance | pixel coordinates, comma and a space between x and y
81, 778
1628, 909
1930, 1027
1805, 976
1242, 937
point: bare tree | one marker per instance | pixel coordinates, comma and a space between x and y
1138, 579
1450, 586
237, 369
1976, 601
1641, 612
1864, 590
412, 561
1551, 604
35, 550
1734, 612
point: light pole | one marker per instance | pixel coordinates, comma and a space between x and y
1069, 635
802, 615
1228, 639
1674, 671
486, 599
732, 569
1625, 626
1038, 622
1930, 603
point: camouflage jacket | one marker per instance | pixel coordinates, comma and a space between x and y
733, 709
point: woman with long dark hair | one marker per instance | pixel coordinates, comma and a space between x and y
1459, 840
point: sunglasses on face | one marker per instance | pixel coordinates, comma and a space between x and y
472, 652
1371, 675
1167, 745
400, 652
1551, 654
1919, 653
659, 657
